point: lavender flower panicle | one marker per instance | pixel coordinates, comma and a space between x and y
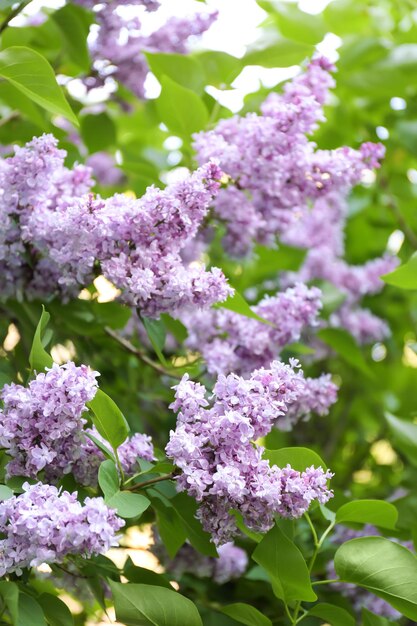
222, 468
44, 525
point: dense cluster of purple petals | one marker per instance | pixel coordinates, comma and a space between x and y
41, 425
230, 342
42, 428
43, 525
230, 564
57, 238
282, 186
119, 47
221, 466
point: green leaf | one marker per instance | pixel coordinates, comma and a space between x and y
144, 605
181, 109
285, 565
10, 593
220, 68
344, 344
157, 335
74, 30
145, 576
238, 304
128, 504
376, 512
98, 132
108, 478
405, 436
299, 458
108, 419
16, 100
39, 358
384, 568
5, 493
100, 445
246, 614
57, 613
182, 69
31, 73
404, 276
30, 613
170, 527
294, 23
332, 614
200, 540
282, 53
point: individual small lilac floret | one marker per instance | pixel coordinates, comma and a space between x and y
221, 466
44, 525
41, 425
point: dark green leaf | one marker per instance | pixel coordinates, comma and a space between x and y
370, 619
30, 613
57, 613
108, 478
376, 512
181, 109
404, 276
10, 593
286, 566
344, 344
39, 358
136, 574
246, 614
31, 73
145, 605
238, 304
199, 539
157, 334
128, 504
74, 30
108, 419
405, 436
299, 458
98, 131
183, 70
384, 568
332, 614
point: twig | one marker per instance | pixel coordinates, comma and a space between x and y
11, 16
125, 343
151, 481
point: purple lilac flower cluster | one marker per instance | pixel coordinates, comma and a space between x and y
119, 46
42, 428
277, 171
361, 598
41, 425
43, 525
221, 466
283, 186
230, 342
230, 564
56, 238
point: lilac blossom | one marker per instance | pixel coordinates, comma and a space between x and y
277, 172
44, 525
41, 425
222, 468
230, 342
57, 237
121, 41
105, 169
230, 564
